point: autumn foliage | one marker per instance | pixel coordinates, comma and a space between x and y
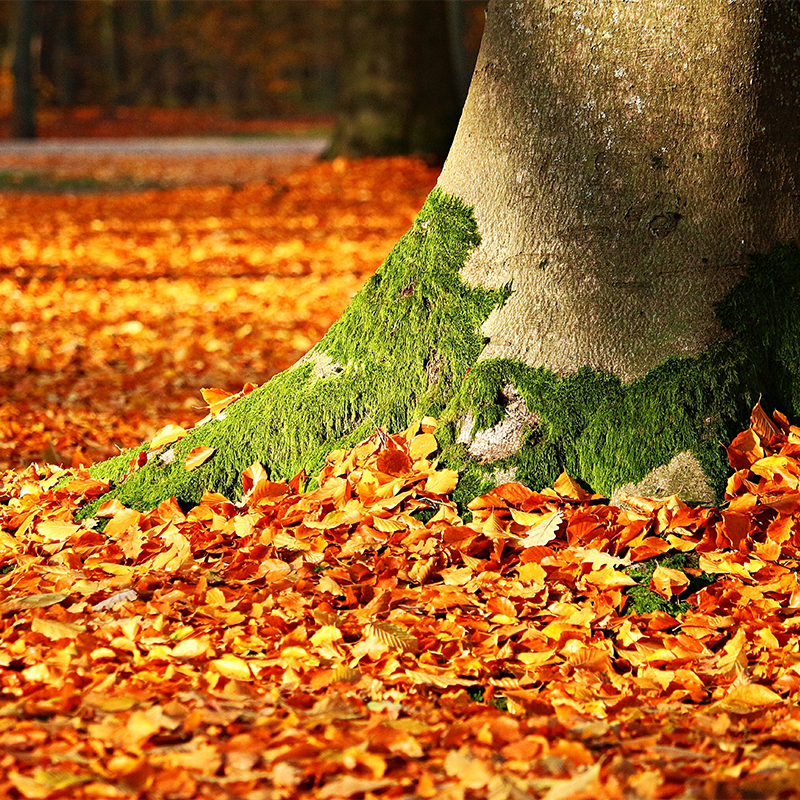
117, 307
356, 635
361, 639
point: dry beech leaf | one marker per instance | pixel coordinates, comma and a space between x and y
422, 446
393, 462
54, 629
441, 482
394, 636
167, 435
762, 423
232, 667
544, 530
217, 399
748, 698
56, 530
31, 601
666, 581
198, 456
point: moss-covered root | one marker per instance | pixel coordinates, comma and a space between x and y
399, 351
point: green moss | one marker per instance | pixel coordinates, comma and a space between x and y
607, 433
399, 351
645, 601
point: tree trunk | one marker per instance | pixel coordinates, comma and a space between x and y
24, 110
398, 92
168, 57
108, 44
577, 292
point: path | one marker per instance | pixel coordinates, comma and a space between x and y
166, 161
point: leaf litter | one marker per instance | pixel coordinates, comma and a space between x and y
117, 308
360, 638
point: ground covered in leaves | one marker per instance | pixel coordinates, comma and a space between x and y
362, 640
358, 639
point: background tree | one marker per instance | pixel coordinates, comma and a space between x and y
399, 86
577, 291
24, 103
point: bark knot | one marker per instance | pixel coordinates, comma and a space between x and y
503, 439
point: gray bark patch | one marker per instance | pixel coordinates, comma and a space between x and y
683, 476
505, 438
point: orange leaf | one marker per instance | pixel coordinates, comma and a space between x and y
393, 462
748, 698
217, 399
422, 446
441, 482
167, 435
762, 424
569, 487
666, 581
197, 456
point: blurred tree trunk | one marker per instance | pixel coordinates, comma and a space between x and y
170, 69
136, 63
397, 92
462, 64
108, 45
24, 110
63, 59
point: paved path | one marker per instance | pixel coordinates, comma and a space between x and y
178, 161
169, 146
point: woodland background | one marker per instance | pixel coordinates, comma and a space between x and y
236, 59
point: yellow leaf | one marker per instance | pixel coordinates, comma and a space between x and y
327, 634
32, 601
232, 667
56, 530
345, 674
748, 698
609, 578
387, 525
198, 456
193, 648
532, 572
544, 531
393, 636
422, 446
28, 787
53, 629
167, 435
123, 522
441, 482
60, 779
525, 517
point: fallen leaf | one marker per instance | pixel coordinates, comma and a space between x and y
198, 456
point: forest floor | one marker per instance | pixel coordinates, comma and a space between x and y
364, 639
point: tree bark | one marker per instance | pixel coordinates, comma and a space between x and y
579, 291
24, 109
